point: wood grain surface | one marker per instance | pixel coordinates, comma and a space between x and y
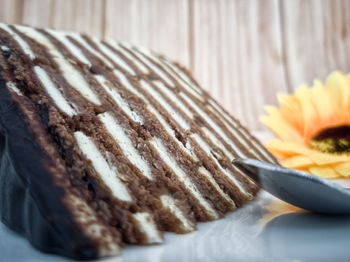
242, 52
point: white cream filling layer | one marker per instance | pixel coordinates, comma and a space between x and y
182, 176
126, 144
206, 148
23, 44
173, 97
114, 56
4, 47
178, 76
183, 83
136, 62
210, 178
119, 100
72, 76
235, 133
135, 158
228, 120
148, 227
214, 125
183, 76
14, 88
175, 115
147, 61
158, 63
87, 46
53, 91
226, 172
92, 227
60, 36
108, 174
218, 143
195, 94
124, 81
171, 132
190, 150
169, 203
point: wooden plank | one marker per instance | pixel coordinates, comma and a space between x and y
316, 38
237, 57
11, 11
78, 15
38, 13
161, 25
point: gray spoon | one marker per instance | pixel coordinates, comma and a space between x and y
298, 188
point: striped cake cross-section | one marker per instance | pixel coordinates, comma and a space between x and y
125, 145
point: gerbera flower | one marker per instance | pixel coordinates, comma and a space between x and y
313, 128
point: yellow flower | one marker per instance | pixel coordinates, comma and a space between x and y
313, 128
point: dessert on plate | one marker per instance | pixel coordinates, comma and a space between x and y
104, 144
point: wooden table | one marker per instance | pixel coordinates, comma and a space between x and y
243, 52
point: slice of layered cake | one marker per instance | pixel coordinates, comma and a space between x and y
104, 144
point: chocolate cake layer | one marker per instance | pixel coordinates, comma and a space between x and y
108, 144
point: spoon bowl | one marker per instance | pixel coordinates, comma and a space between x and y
298, 188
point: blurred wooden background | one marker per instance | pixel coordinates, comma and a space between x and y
242, 51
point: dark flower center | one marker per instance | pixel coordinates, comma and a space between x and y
332, 140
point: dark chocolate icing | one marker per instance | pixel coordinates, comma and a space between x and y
30, 202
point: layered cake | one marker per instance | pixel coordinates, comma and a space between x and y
104, 144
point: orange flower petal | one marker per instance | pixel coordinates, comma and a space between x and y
325, 172
327, 159
338, 88
322, 102
283, 149
343, 169
279, 126
297, 162
309, 112
291, 111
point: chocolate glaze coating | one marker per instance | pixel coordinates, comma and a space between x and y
30, 203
